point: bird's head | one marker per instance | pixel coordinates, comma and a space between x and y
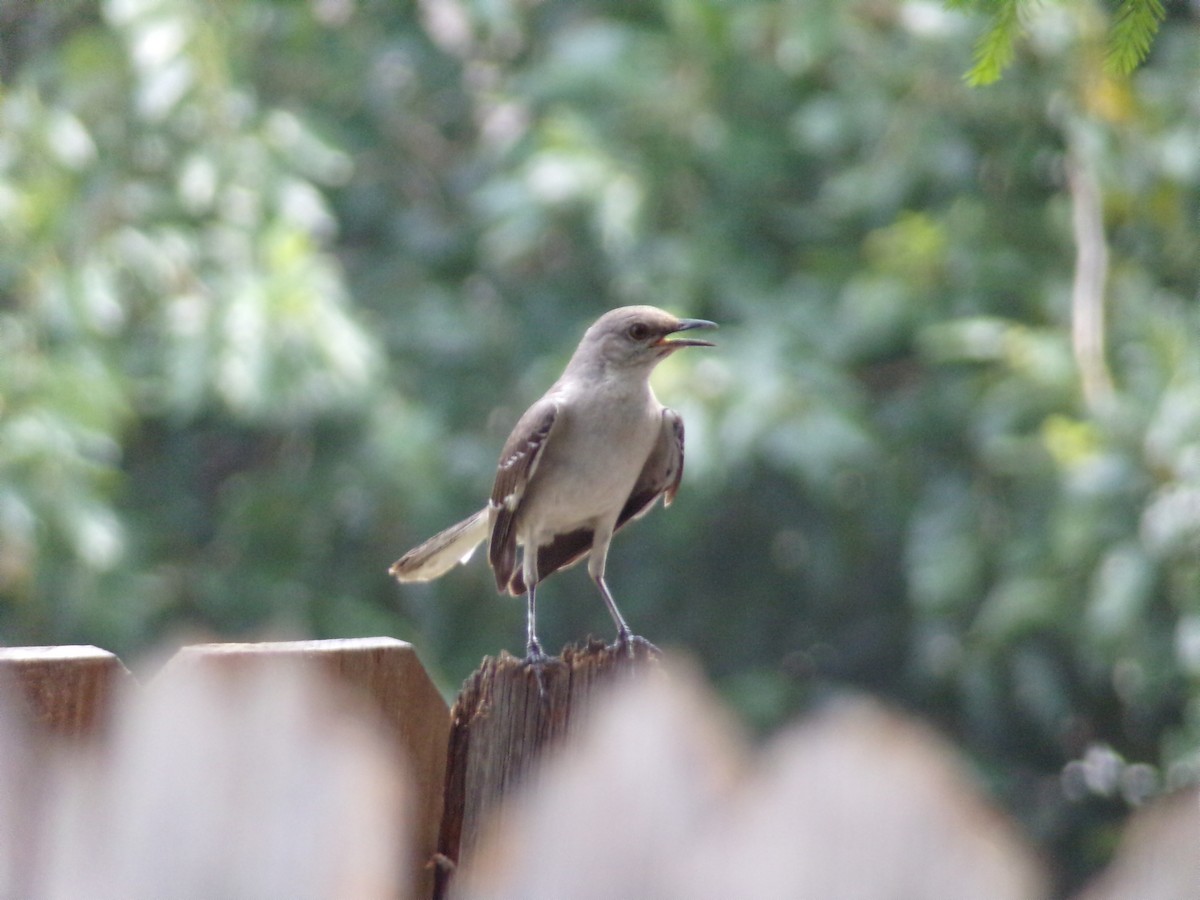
637, 337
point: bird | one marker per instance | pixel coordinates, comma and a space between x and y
595, 452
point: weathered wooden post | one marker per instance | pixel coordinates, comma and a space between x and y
504, 719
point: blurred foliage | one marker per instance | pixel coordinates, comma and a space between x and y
276, 278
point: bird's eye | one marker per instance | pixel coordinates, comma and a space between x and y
639, 331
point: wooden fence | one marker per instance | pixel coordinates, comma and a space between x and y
334, 769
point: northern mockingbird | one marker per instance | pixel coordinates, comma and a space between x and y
596, 451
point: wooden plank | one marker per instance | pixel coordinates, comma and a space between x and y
1156, 858
68, 691
504, 719
388, 674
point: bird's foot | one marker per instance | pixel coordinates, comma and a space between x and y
537, 660
634, 646
534, 654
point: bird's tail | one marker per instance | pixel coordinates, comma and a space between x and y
443, 551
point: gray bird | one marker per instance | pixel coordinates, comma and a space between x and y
595, 452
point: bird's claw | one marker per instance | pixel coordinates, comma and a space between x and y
630, 644
537, 660
534, 655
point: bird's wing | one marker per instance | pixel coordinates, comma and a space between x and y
518, 462
660, 477
662, 472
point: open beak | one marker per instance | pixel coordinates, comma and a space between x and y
687, 325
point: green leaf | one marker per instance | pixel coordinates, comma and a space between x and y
994, 50
1132, 33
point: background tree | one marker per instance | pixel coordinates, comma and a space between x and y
276, 279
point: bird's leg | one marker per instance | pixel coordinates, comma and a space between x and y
534, 656
626, 639
597, 560
533, 648
623, 632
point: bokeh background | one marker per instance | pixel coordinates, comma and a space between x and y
277, 277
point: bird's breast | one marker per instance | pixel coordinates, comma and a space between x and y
589, 466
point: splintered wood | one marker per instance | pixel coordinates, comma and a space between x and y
505, 718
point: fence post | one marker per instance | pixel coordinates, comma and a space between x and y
504, 719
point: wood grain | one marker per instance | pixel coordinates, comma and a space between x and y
506, 717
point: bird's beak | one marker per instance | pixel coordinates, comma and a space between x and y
687, 325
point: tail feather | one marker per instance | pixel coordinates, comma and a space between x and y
443, 551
